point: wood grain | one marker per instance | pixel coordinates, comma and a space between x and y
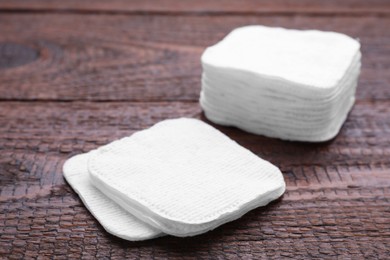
337, 195
331, 7
75, 75
67, 126
143, 58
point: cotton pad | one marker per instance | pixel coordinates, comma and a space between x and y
289, 84
111, 216
184, 177
312, 58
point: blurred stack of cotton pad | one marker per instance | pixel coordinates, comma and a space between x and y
180, 177
289, 84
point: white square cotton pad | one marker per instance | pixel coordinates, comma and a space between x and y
311, 58
184, 177
112, 217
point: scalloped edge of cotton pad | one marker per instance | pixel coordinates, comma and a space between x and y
114, 219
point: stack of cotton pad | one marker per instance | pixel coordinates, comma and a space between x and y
289, 84
180, 177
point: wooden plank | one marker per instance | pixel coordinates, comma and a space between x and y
336, 200
56, 127
148, 58
204, 7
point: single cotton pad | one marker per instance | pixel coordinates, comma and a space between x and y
184, 177
112, 217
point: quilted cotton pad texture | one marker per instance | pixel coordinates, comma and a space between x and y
184, 177
112, 217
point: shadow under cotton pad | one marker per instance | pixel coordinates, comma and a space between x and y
184, 177
112, 217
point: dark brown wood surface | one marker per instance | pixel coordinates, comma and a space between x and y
75, 75
357, 7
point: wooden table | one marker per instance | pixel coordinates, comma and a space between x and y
75, 75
